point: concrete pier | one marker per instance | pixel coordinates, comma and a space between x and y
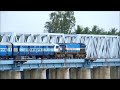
26, 74
118, 72
73, 73
52, 74
34, 74
86, 73
113, 72
104, 72
79, 73
8, 74
101, 72
66, 73
95, 73
5, 74
42, 74
15, 75
83, 73
63, 73
91, 73
59, 74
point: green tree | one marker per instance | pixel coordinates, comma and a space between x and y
79, 30
95, 30
60, 22
104, 33
113, 31
118, 33
86, 30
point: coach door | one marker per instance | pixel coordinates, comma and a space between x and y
28, 50
6, 50
18, 50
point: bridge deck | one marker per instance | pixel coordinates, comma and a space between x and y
56, 63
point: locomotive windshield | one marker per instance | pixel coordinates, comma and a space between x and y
57, 47
62, 48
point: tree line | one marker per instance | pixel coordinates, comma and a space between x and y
64, 22
96, 30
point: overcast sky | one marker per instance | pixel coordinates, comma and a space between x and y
34, 21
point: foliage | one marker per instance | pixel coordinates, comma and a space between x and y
96, 30
60, 22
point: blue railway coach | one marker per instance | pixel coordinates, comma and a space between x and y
5, 50
36, 50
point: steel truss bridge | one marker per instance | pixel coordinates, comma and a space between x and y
106, 48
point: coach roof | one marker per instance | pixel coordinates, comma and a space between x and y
5, 43
33, 44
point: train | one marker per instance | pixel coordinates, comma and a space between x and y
19, 51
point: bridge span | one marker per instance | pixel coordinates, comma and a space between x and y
98, 46
105, 48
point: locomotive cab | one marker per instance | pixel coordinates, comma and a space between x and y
56, 48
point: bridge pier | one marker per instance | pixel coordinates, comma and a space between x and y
106, 74
101, 73
59, 74
52, 73
42, 73
118, 70
5, 74
115, 72
9, 74
15, 75
73, 73
66, 73
26, 74
38, 74
84, 73
63, 73
95, 73
34, 74
79, 73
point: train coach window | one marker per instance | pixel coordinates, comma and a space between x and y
57, 47
1, 50
38, 49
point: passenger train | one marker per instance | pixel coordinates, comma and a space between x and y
19, 51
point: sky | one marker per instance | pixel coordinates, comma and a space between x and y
34, 21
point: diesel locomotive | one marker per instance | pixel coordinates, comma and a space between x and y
19, 51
